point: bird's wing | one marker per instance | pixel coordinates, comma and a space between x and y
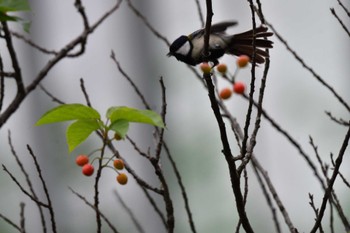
221, 27
215, 28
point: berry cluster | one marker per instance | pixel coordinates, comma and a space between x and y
238, 86
88, 168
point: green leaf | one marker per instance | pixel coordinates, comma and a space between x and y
68, 112
78, 131
120, 126
134, 115
5, 17
14, 5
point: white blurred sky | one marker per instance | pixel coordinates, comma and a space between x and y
293, 98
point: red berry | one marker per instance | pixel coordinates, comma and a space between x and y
81, 160
118, 164
242, 61
205, 67
122, 178
225, 93
88, 169
222, 68
239, 87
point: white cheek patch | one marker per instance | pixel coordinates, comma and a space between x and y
184, 49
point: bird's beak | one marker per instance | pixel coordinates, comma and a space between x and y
169, 54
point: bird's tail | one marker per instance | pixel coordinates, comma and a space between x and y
242, 44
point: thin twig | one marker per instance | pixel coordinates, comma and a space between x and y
182, 187
340, 21
308, 68
207, 28
340, 121
129, 79
96, 187
22, 218
63, 53
145, 21
7, 220
154, 205
113, 228
199, 9
252, 141
22, 189
166, 195
159, 144
49, 203
312, 204
2, 83
81, 10
53, 98
267, 197
329, 189
340, 174
29, 183
275, 196
130, 212
344, 8
251, 91
235, 179
83, 89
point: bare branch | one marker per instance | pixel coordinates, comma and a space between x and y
308, 68
329, 189
145, 21
53, 98
29, 183
273, 191
22, 218
113, 228
7, 220
344, 8
83, 89
49, 203
199, 9
64, 52
340, 21
129, 211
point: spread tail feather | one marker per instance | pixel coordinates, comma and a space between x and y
242, 44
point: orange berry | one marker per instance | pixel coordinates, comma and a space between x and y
239, 87
88, 169
118, 164
81, 160
205, 67
222, 68
122, 178
242, 61
225, 93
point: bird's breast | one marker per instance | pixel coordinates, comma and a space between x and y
215, 43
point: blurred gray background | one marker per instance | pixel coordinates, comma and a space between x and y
293, 98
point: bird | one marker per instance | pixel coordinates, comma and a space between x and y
190, 49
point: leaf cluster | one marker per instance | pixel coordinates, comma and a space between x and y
87, 120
